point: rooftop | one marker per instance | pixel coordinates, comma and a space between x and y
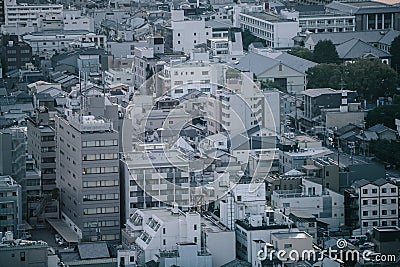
268, 17
291, 235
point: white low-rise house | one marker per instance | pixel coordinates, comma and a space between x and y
285, 70
113, 76
152, 232
46, 44
289, 160
326, 205
75, 20
217, 141
288, 242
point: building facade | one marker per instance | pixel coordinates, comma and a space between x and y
88, 176
10, 205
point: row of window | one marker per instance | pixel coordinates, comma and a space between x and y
384, 223
102, 183
108, 223
375, 212
99, 170
99, 143
375, 191
102, 156
375, 202
99, 197
90, 211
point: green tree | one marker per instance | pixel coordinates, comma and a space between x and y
324, 76
370, 78
387, 151
384, 115
325, 52
395, 52
248, 38
302, 52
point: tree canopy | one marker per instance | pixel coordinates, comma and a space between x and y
325, 52
395, 52
248, 38
302, 52
384, 115
370, 78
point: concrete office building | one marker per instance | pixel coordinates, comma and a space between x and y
42, 147
12, 156
10, 205
88, 176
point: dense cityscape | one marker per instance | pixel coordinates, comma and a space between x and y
200, 133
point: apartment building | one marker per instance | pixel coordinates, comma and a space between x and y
88, 176
10, 205
164, 175
372, 204
14, 53
24, 18
183, 34
277, 32
181, 79
312, 199
152, 232
42, 147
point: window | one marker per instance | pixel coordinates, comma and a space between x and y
195, 239
365, 202
374, 191
384, 212
365, 191
374, 212
384, 201
163, 231
384, 223
365, 224
374, 201
365, 213
384, 190
164, 242
195, 227
392, 190
22, 256
393, 201
287, 246
393, 212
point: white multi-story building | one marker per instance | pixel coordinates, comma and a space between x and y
377, 204
185, 34
118, 76
276, 31
182, 79
321, 21
163, 174
153, 232
24, 18
326, 205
